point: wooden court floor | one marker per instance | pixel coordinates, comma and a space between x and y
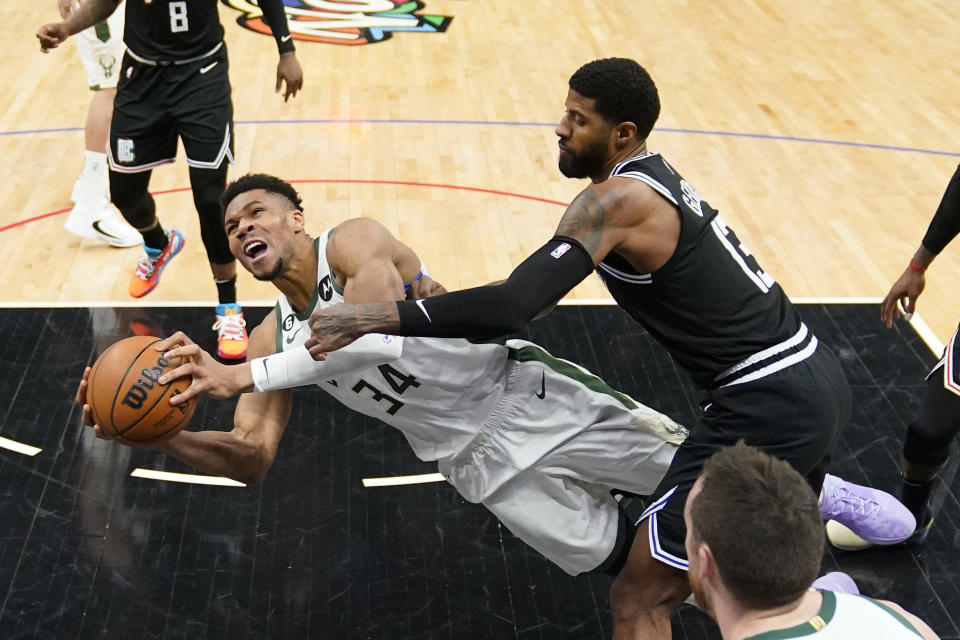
825, 134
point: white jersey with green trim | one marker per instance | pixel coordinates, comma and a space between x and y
438, 393
843, 616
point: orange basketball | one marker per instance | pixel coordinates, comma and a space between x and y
127, 401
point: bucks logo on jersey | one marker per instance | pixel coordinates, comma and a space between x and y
340, 22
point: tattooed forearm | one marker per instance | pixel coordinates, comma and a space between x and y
585, 220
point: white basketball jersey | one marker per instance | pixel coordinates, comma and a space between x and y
438, 393
848, 617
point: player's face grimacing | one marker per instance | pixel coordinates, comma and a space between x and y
584, 138
259, 226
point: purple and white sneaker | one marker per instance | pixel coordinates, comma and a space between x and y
836, 581
874, 515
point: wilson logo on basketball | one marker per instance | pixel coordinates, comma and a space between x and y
139, 391
351, 23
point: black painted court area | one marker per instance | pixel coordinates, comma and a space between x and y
88, 551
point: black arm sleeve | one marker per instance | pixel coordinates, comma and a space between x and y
276, 19
946, 221
482, 312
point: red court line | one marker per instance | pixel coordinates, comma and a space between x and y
401, 183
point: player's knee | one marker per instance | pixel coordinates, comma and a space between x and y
127, 196
638, 593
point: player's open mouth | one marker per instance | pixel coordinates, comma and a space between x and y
254, 249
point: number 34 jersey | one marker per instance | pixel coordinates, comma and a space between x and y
438, 393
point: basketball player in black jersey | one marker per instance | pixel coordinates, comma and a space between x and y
673, 264
927, 445
174, 83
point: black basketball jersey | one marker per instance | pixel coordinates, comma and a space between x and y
722, 318
167, 30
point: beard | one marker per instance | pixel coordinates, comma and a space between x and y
586, 163
701, 595
278, 270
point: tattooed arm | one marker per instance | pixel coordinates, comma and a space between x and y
592, 226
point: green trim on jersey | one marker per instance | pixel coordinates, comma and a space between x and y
896, 615
815, 624
102, 31
592, 382
333, 281
279, 336
305, 314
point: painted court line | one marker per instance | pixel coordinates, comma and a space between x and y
188, 478
19, 447
927, 334
394, 481
506, 123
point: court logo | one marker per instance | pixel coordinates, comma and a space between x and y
344, 22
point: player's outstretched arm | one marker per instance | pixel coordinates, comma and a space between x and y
288, 68
246, 452
589, 230
88, 14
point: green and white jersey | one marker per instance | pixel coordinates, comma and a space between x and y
438, 393
848, 617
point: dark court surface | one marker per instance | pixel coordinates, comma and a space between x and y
86, 551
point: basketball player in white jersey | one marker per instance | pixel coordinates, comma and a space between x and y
754, 579
101, 50
539, 441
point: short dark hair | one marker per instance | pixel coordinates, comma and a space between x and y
251, 181
622, 90
762, 523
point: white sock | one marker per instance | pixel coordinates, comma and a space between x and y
92, 189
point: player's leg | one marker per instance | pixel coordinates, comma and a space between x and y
142, 136
204, 115
653, 582
101, 49
130, 195
645, 593
927, 444
208, 185
575, 525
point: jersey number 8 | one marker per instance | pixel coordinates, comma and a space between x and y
178, 17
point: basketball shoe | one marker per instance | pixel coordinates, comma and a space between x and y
146, 276
102, 223
836, 581
873, 515
231, 328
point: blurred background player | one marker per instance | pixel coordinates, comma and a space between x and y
927, 444
174, 84
755, 541
101, 49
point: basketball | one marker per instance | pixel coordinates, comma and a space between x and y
125, 398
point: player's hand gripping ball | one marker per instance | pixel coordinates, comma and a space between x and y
125, 398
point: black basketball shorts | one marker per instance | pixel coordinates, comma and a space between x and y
157, 103
951, 365
795, 414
